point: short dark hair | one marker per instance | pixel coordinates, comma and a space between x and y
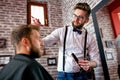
22, 31
83, 6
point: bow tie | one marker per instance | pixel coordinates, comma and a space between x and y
76, 30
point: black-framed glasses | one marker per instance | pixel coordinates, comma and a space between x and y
82, 18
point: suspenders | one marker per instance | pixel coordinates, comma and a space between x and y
66, 28
64, 43
85, 41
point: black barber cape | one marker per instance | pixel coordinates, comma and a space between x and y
23, 67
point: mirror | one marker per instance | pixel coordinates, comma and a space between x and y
37, 10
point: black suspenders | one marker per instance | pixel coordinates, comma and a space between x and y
66, 28
64, 43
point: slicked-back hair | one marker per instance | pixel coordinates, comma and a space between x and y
83, 6
22, 31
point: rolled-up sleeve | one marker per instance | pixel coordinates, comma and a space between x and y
51, 38
93, 50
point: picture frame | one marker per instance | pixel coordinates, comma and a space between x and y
109, 44
3, 43
52, 61
109, 56
4, 59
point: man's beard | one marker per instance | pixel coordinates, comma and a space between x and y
77, 26
35, 53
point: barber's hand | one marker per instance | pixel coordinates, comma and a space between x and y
85, 64
36, 22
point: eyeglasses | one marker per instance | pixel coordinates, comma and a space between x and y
82, 18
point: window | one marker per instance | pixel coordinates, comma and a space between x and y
37, 10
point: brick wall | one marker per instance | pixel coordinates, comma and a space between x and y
105, 26
13, 13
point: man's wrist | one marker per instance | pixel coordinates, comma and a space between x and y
92, 64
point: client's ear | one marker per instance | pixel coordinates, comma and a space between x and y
25, 42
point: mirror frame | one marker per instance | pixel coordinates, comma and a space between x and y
44, 5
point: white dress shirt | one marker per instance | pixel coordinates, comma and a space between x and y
74, 44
